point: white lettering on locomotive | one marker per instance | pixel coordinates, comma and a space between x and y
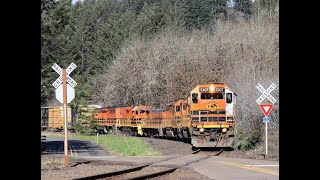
219, 89
204, 89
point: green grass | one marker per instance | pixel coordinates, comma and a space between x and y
120, 145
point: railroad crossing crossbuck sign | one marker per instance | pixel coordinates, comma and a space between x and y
266, 93
58, 83
58, 69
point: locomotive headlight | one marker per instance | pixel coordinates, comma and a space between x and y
201, 130
224, 130
211, 88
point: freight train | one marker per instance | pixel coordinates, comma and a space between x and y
52, 118
206, 116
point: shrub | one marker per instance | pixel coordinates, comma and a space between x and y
249, 141
85, 128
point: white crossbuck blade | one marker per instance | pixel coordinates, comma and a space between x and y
69, 69
266, 93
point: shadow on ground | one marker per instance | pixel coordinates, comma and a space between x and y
80, 148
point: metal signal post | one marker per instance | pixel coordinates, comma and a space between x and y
266, 122
266, 140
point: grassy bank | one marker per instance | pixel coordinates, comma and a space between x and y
120, 145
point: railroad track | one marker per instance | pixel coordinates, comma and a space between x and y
120, 174
195, 152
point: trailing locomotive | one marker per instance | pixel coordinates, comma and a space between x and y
207, 116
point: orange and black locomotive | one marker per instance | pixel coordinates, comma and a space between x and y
206, 116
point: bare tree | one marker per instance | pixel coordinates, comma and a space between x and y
157, 71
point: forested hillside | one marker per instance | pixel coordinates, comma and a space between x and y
91, 32
155, 51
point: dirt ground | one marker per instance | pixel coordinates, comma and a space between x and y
169, 147
52, 167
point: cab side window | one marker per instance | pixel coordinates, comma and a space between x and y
177, 108
195, 98
184, 106
229, 98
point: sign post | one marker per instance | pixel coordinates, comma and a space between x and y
63, 97
266, 108
97, 137
266, 141
65, 157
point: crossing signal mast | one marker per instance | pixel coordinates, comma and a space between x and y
266, 108
65, 94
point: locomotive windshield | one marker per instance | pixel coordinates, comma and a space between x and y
211, 96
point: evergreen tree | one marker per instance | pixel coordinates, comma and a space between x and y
218, 8
55, 17
150, 20
244, 6
196, 14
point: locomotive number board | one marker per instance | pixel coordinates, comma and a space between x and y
205, 89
